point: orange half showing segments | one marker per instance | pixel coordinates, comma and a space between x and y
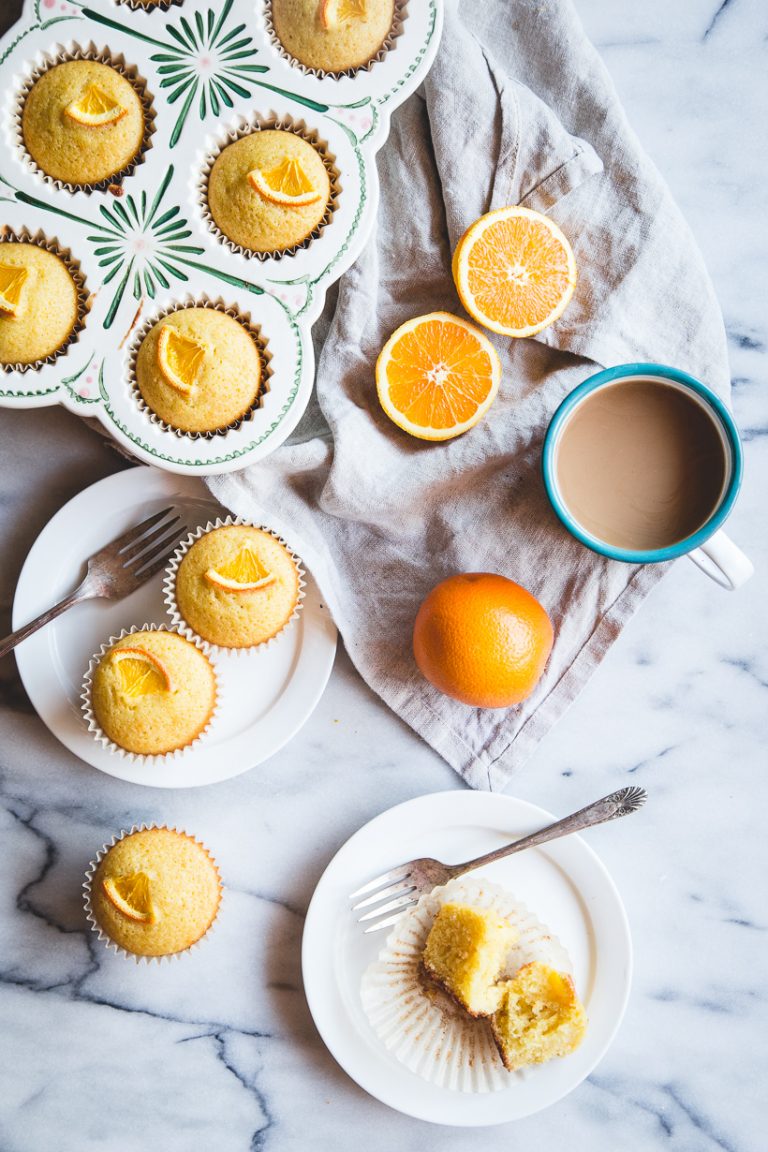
514, 271
437, 375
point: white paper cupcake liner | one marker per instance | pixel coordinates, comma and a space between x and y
24, 236
95, 728
399, 16
58, 54
253, 330
179, 624
424, 1028
95, 926
258, 123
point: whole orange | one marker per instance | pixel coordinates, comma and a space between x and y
482, 639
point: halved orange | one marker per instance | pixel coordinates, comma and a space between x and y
287, 184
334, 13
132, 896
514, 271
95, 108
141, 673
245, 573
12, 280
437, 375
179, 358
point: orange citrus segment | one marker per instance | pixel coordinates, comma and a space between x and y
179, 358
141, 673
514, 271
12, 279
245, 573
287, 184
95, 108
437, 375
131, 895
334, 13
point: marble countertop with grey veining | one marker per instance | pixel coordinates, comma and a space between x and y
220, 1052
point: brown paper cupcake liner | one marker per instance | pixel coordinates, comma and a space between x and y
95, 728
179, 624
59, 54
258, 123
88, 883
24, 236
254, 331
137, 5
398, 19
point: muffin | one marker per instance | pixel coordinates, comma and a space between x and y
268, 191
199, 370
82, 122
540, 1017
332, 35
465, 954
236, 587
152, 692
38, 303
154, 892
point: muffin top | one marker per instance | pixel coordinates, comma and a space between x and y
199, 369
237, 586
82, 122
332, 35
155, 892
153, 692
38, 303
269, 190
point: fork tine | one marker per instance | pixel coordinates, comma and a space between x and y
137, 530
400, 902
386, 922
130, 550
144, 574
391, 890
386, 878
156, 547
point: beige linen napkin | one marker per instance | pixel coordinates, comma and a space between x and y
518, 108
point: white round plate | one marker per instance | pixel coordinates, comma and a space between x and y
266, 696
564, 883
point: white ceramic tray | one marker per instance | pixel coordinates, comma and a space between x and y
210, 69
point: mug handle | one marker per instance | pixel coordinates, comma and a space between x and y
723, 561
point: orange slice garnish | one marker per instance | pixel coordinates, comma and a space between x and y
141, 673
132, 896
245, 573
287, 184
12, 280
95, 108
179, 358
514, 271
335, 13
437, 375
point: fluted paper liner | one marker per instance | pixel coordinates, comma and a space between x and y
218, 305
95, 728
178, 622
420, 1025
399, 15
88, 883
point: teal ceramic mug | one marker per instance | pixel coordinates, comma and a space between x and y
693, 404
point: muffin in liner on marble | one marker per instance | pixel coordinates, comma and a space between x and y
179, 624
423, 1027
60, 54
95, 728
24, 236
107, 940
399, 16
253, 330
257, 123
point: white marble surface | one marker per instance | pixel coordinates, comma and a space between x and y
220, 1052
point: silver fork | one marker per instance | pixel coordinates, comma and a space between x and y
402, 887
116, 570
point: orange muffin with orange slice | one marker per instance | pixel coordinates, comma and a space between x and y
152, 693
154, 892
39, 307
268, 191
236, 586
333, 35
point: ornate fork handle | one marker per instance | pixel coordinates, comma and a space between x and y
609, 808
8, 643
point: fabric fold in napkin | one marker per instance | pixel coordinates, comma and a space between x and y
518, 108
